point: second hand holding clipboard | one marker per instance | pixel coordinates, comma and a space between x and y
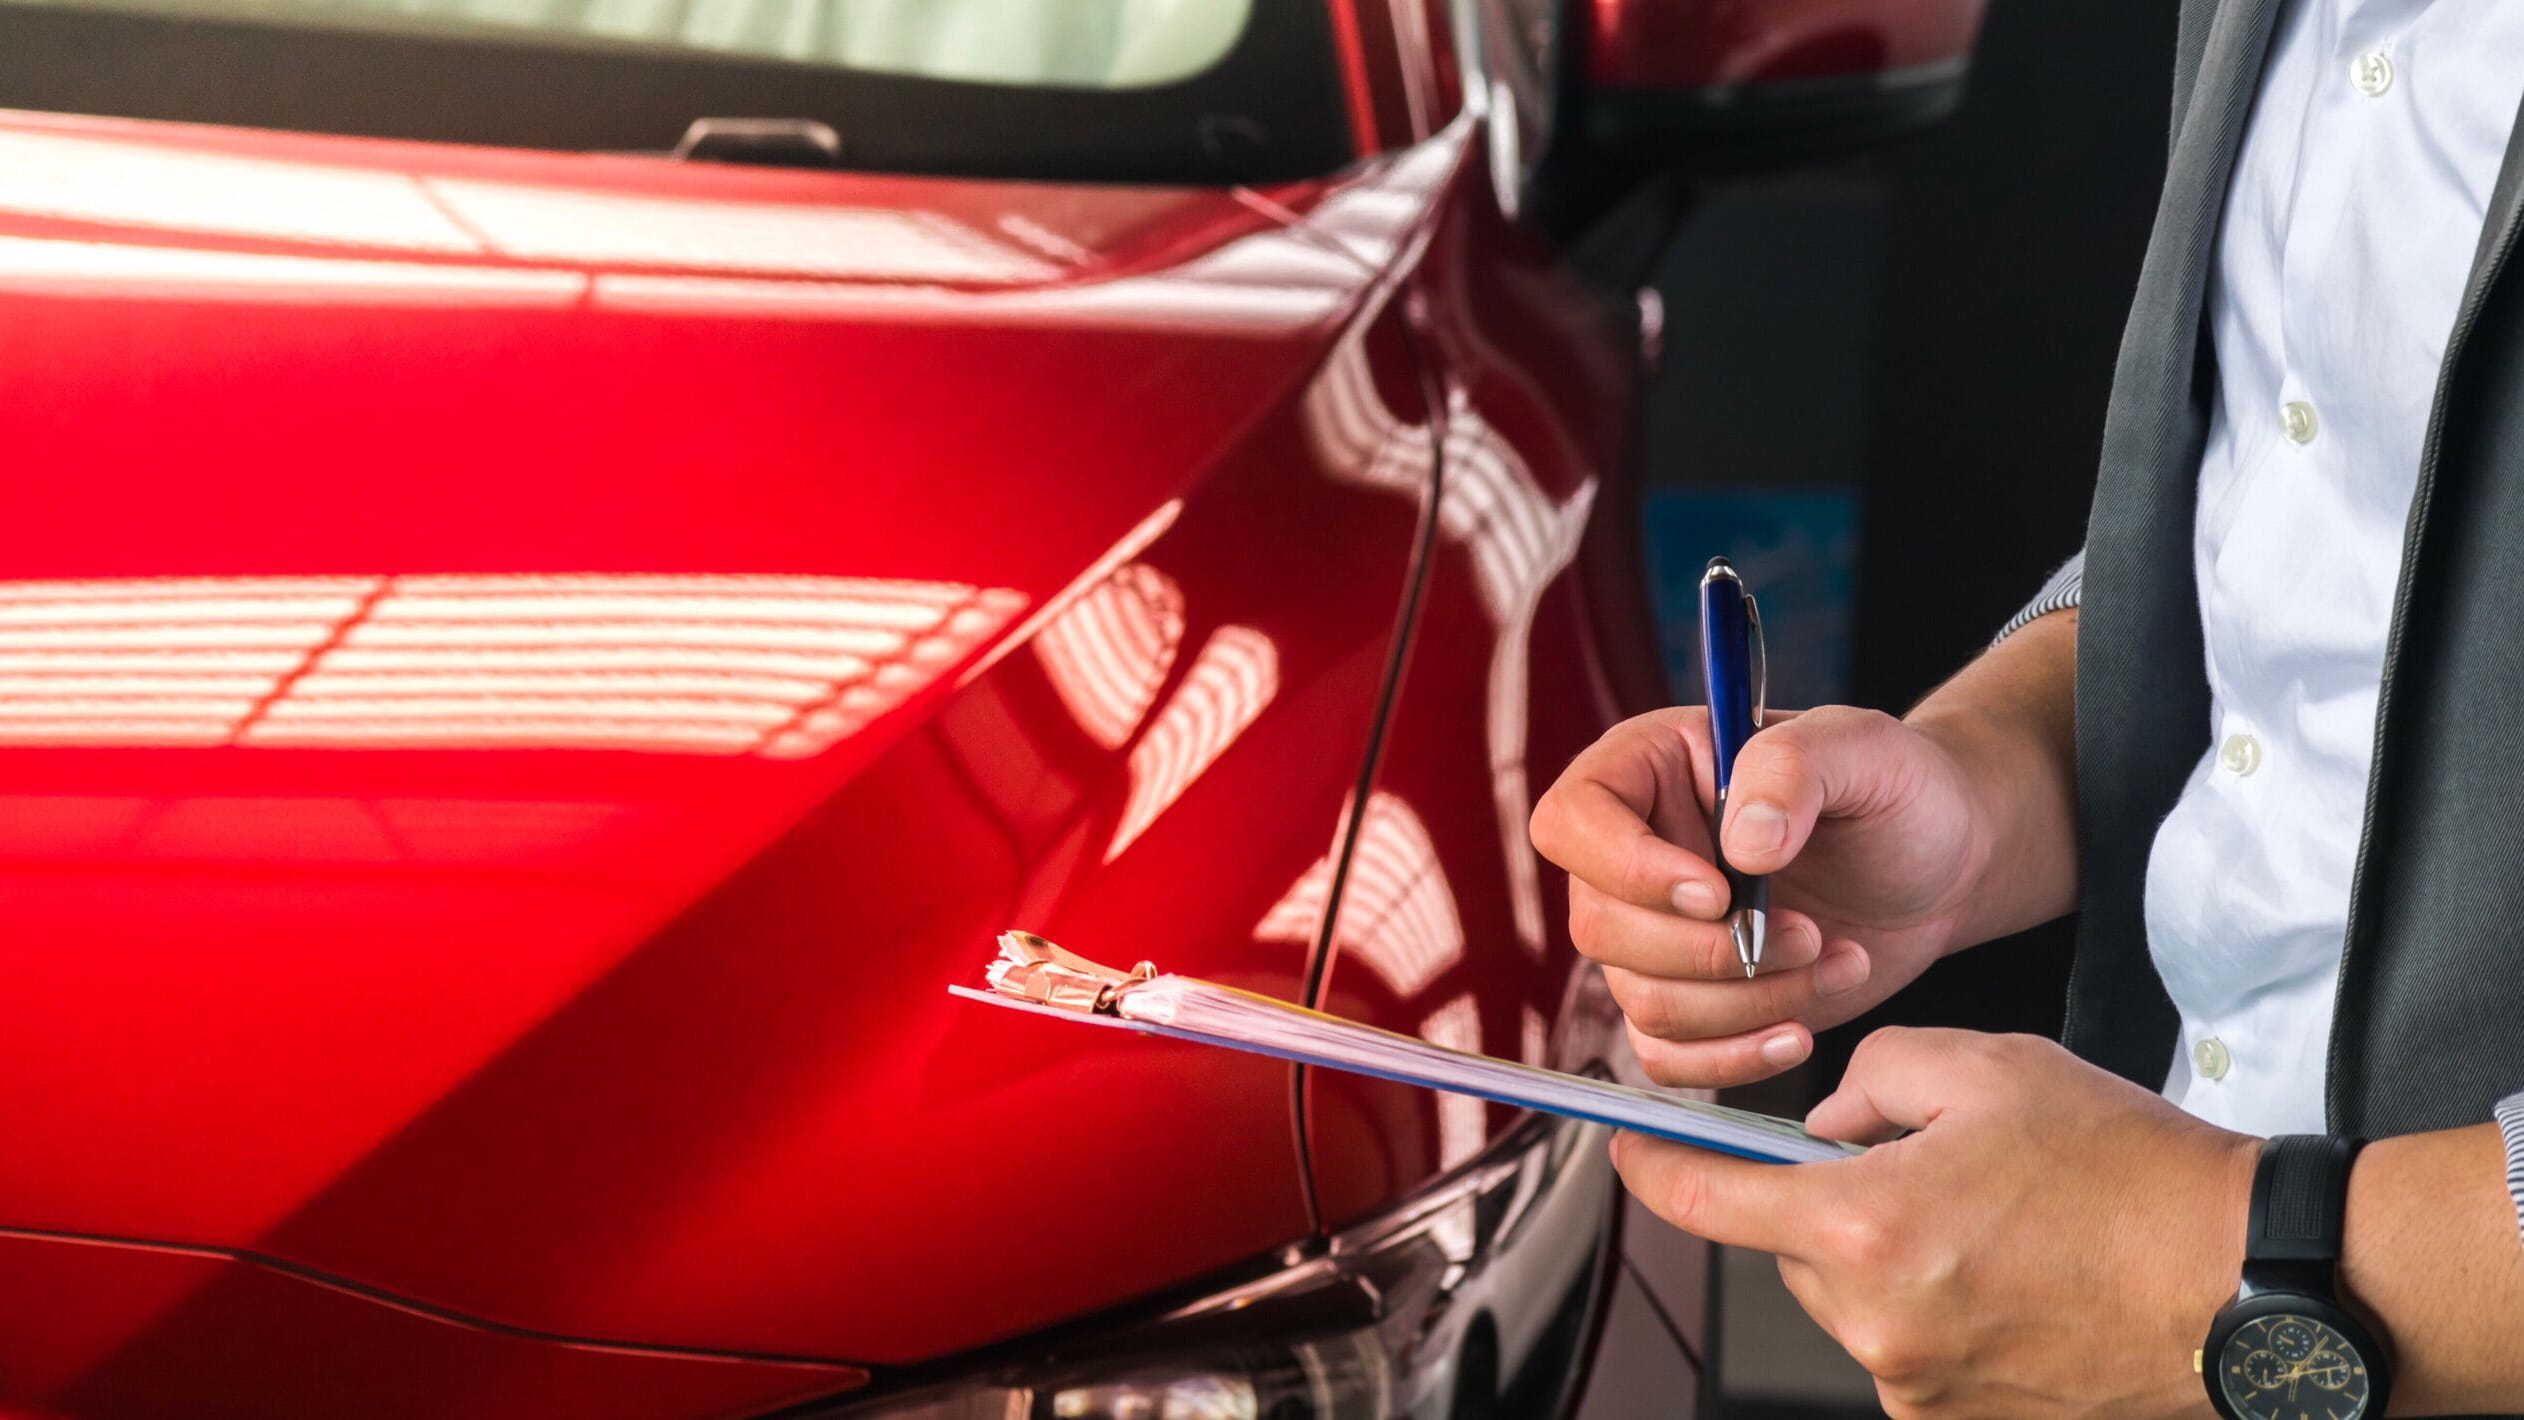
1035, 975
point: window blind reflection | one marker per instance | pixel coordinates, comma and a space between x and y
782, 666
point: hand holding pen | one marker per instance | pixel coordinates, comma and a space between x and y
1853, 835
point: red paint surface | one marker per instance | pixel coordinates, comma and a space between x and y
224, 1338
523, 676
1358, 80
1451, 927
653, 1044
1663, 44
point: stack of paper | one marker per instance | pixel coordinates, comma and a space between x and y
1032, 974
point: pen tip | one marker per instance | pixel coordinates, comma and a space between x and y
1748, 926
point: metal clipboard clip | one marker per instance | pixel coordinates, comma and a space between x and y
1033, 969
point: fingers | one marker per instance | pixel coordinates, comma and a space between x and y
1596, 818
1722, 1063
1831, 760
1658, 943
1701, 1010
1730, 1201
1901, 1078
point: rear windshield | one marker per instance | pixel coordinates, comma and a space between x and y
1208, 91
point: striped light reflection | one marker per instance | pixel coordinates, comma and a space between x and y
779, 666
685, 254
1108, 653
1398, 913
1233, 678
1518, 536
92, 178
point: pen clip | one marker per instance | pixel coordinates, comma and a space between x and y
1760, 653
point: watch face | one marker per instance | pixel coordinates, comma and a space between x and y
2284, 1367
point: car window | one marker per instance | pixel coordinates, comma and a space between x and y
1098, 44
1208, 91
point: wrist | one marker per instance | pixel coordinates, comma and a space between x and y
2003, 867
2213, 1267
2008, 723
2298, 1317
2206, 1258
2383, 1169
2428, 1257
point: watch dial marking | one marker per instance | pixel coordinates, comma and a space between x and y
2285, 1367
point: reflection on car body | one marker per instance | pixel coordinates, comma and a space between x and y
525, 664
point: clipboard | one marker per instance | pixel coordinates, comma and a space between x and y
1037, 977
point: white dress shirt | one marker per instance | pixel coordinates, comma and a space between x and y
2356, 203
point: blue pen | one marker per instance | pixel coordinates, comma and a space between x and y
1734, 671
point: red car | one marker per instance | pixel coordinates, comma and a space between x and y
539, 636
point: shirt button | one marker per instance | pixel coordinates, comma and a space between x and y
2296, 420
2241, 754
2371, 73
2209, 1058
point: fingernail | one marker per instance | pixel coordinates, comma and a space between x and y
1694, 898
1757, 828
1841, 972
1783, 1050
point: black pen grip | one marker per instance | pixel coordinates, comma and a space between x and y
1743, 889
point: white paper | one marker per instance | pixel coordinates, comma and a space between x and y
1191, 1009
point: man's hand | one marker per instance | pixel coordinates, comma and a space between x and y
1867, 824
1888, 843
2052, 1241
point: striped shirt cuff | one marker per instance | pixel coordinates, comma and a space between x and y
2057, 594
2511, 1124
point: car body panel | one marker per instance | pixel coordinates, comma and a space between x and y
1451, 927
633, 1028
279, 1343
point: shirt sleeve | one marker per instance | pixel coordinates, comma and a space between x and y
2511, 1125
2057, 594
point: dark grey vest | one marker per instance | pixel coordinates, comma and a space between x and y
2429, 1029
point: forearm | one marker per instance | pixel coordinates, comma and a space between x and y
2010, 718
2432, 1254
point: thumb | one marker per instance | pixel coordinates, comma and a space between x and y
1833, 760
1899, 1079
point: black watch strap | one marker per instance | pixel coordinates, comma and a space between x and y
2300, 1198
2291, 1277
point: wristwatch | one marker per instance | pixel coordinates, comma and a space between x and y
2288, 1347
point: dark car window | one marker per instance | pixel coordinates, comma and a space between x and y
1203, 91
